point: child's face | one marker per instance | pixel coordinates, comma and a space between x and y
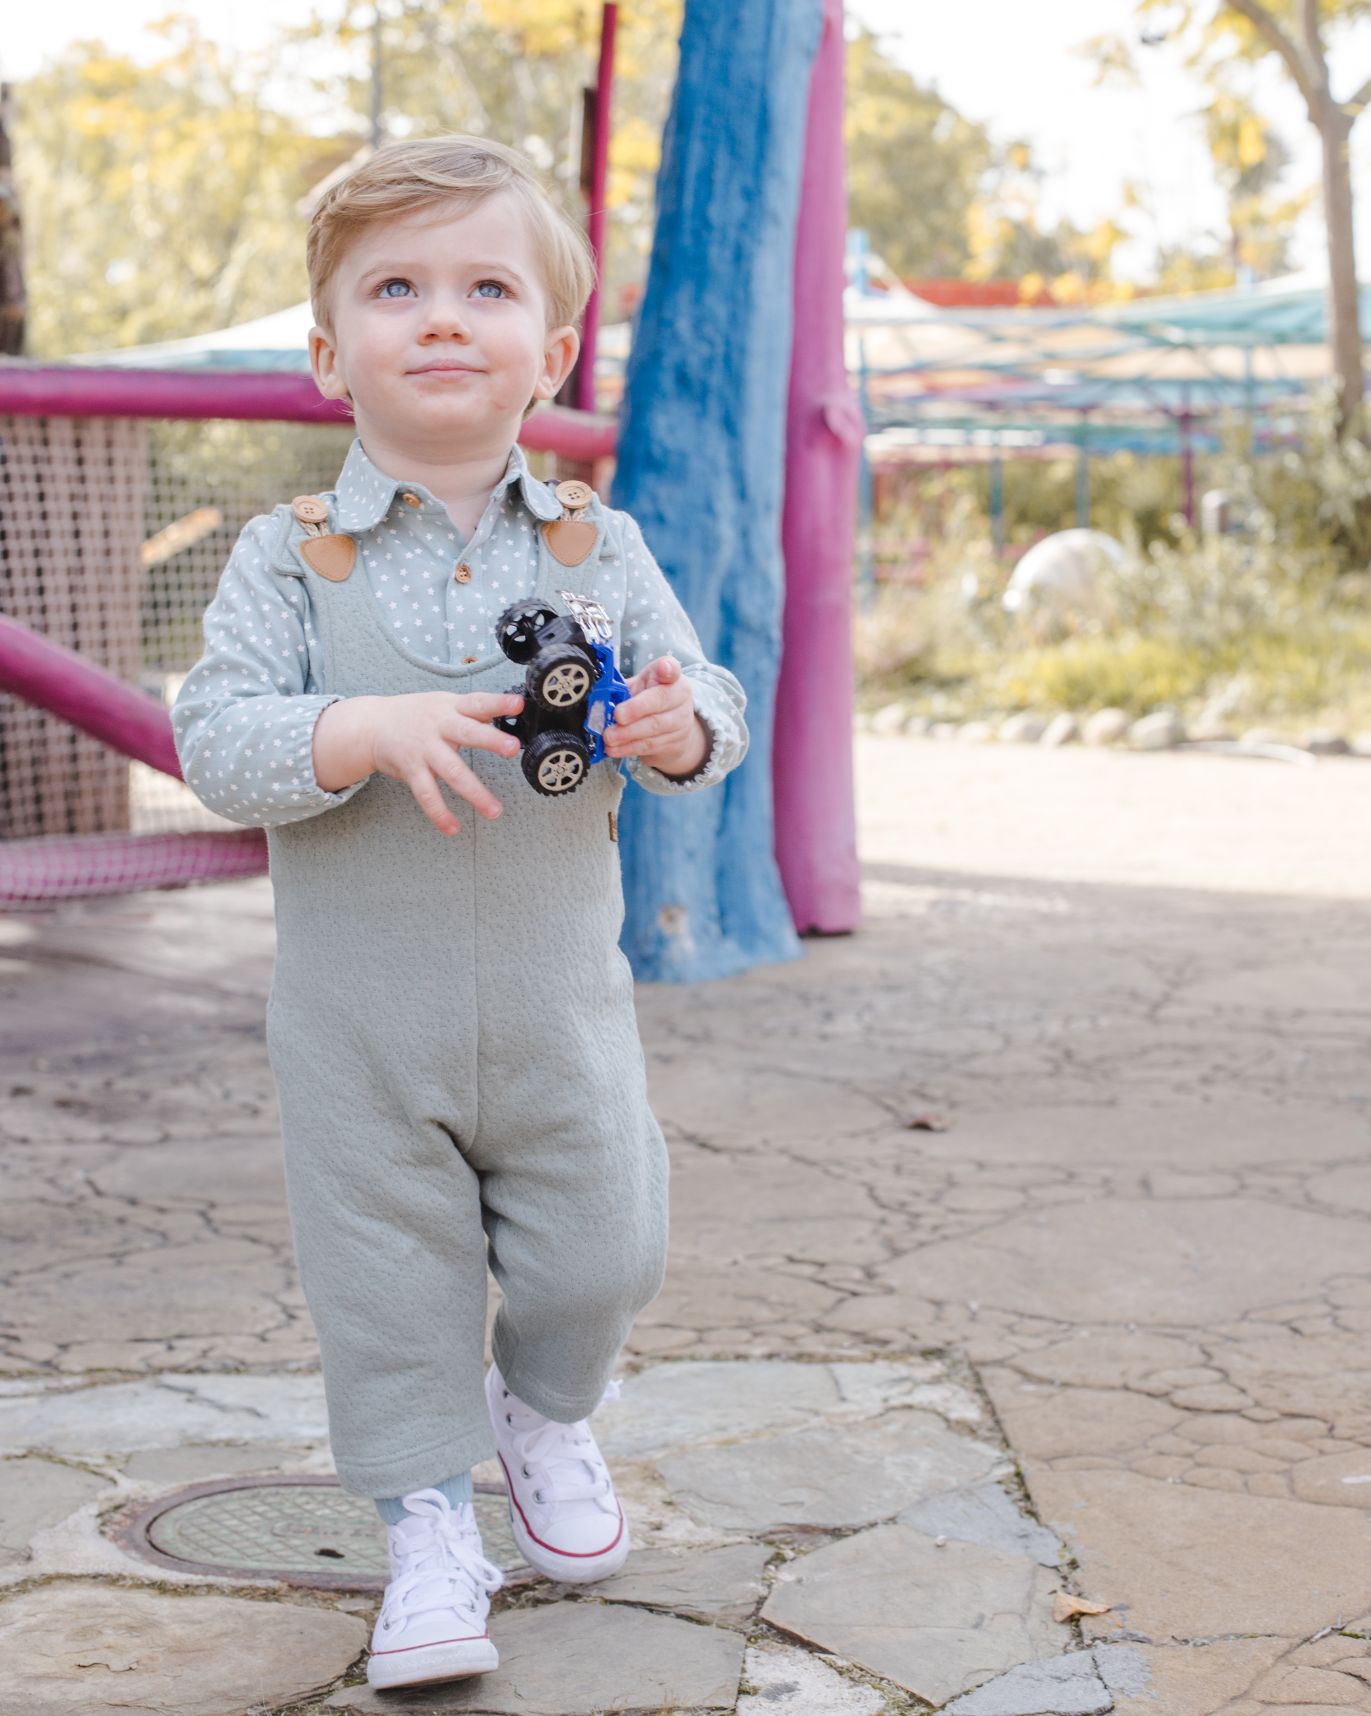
440, 330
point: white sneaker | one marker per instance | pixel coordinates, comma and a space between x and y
432, 1624
566, 1519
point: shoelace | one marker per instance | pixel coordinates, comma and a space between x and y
444, 1566
552, 1452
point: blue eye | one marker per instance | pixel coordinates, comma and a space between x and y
495, 283
384, 290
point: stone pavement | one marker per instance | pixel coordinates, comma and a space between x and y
1020, 1255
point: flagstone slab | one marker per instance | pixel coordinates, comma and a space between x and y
720, 1585
987, 1515
104, 1650
35, 1494
787, 1681
835, 1476
126, 1417
936, 1621
676, 1405
580, 1659
1082, 1683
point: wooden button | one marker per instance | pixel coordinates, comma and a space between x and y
468, 659
463, 572
411, 499
309, 509
574, 495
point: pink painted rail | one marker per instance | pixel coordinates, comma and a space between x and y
74, 390
87, 696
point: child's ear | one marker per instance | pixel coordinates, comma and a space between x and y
562, 349
324, 366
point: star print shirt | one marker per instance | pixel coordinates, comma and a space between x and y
244, 717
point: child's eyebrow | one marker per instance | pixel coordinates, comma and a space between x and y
388, 270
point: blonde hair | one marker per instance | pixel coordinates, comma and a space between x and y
428, 172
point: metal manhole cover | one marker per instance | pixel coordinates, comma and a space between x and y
305, 1531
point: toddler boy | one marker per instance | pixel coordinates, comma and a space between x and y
451, 1023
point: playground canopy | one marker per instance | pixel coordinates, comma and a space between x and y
1151, 375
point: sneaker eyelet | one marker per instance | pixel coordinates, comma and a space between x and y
538, 1497
526, 1472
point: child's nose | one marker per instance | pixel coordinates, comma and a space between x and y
447, 320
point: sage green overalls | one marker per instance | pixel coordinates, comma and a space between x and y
452, 1031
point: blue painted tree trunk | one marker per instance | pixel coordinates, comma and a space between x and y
701, 464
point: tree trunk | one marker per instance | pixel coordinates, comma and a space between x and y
11, 243
1344, 319
701, 463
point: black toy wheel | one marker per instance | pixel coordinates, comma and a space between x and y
517, 629
511, 723
556, 763
560, 677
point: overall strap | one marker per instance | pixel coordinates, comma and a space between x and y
307, 542
569, 547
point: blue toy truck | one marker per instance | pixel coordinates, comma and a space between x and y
571, 689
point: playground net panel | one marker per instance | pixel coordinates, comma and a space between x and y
113, 535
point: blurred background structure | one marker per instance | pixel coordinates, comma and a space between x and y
1189, 389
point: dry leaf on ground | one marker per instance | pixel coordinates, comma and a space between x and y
1065, 1607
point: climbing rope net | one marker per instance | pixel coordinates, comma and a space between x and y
113, 535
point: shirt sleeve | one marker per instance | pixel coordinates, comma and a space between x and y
655, 624
243, 719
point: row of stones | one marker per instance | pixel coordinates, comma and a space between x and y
1162, 730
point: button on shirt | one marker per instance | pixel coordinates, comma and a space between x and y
245, 715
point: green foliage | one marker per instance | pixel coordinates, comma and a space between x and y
1274, 621
915, 165
1133, 673
159, 200
167, 199
515, 70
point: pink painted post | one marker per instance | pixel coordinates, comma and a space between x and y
599, 176
816, 841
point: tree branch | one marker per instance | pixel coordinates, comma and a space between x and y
1313, 47
1354, 104
1275, 37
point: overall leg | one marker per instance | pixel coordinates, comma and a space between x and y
576, 1220
385, 1214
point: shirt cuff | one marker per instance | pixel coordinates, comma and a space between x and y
320, 797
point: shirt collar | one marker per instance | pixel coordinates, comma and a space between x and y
366, 494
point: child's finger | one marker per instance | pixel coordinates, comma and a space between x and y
646, 749
651, 701
662, 671
450, 768
476, 736
434, 806
668, 724
486, 705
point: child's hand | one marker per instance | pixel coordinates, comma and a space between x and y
658, 723
415, 738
